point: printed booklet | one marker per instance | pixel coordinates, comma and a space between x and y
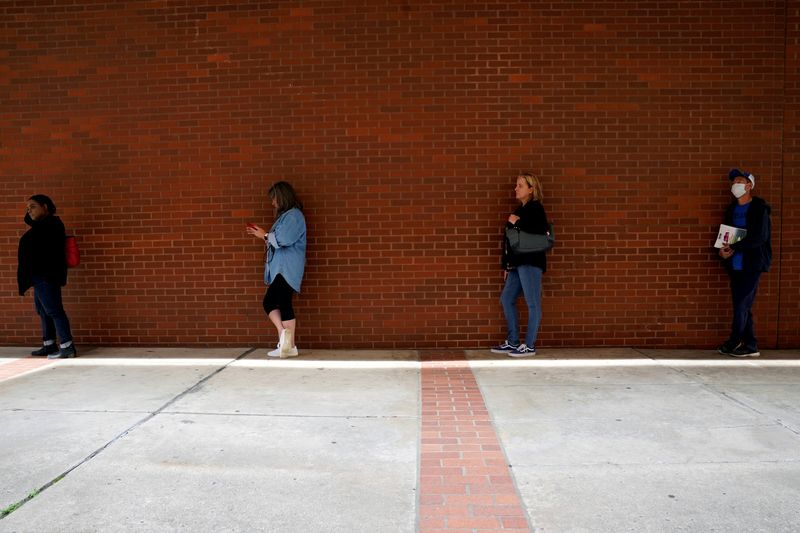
729, 235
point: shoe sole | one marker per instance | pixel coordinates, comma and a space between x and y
287, 355
529, 354
280, 355
754, 354
497, 350
46, 354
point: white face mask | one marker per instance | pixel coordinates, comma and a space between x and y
738, 189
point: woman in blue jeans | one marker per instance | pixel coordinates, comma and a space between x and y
42, 265
523, 272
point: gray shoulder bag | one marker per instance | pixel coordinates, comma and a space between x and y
522, 242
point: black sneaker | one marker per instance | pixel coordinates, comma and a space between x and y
64, 353
745, 351
727, 348
45, 350
523, 351
504, 348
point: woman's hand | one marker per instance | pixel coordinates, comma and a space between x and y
725, 252
513, 219
256, 231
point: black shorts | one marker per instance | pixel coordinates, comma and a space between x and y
279, 296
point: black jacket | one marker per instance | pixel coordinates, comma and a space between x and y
532, 219
755, 247
41, 253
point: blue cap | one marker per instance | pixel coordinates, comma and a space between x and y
735, 173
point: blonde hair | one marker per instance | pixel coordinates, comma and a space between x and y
534, 183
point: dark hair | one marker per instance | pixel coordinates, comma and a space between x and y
41, 199
285, 196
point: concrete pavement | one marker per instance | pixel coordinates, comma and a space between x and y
182, 439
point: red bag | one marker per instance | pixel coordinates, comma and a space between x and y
71, 252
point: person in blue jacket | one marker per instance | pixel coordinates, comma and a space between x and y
42, 264
284, 264
745, 261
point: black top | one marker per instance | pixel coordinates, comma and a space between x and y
755, 247
532, 219
41, 253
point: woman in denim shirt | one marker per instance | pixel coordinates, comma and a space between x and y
285, 261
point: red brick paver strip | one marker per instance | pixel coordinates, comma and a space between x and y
464, 482
18, 367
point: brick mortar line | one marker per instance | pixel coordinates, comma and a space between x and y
464, 478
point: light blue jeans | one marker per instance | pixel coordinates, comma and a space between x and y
527, 280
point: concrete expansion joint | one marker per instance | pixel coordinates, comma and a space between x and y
79, 411
290, 415
34, 493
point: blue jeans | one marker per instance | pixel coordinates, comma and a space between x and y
50, 309
744, 286
527, 280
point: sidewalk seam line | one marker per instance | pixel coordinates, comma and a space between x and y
727, 397
417, 484
33, 494
501, 445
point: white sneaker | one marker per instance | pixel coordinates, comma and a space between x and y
283, 350
290, 352
287, 347
277, 351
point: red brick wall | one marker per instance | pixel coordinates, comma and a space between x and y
157, 127
789, 272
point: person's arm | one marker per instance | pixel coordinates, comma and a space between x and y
50, 248
533, 219
290, 230
57, 234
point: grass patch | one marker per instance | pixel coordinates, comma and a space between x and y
14, 506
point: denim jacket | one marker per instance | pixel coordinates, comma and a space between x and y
286, 249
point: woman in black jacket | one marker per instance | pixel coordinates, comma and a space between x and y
523, 272
43, 266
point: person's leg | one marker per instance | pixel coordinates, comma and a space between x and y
748, 334
48, 326
49, 345
49, 298
288, 321
278, 304
289, 325
531, 281
272, 305
275, 318
743, 293
508, 298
